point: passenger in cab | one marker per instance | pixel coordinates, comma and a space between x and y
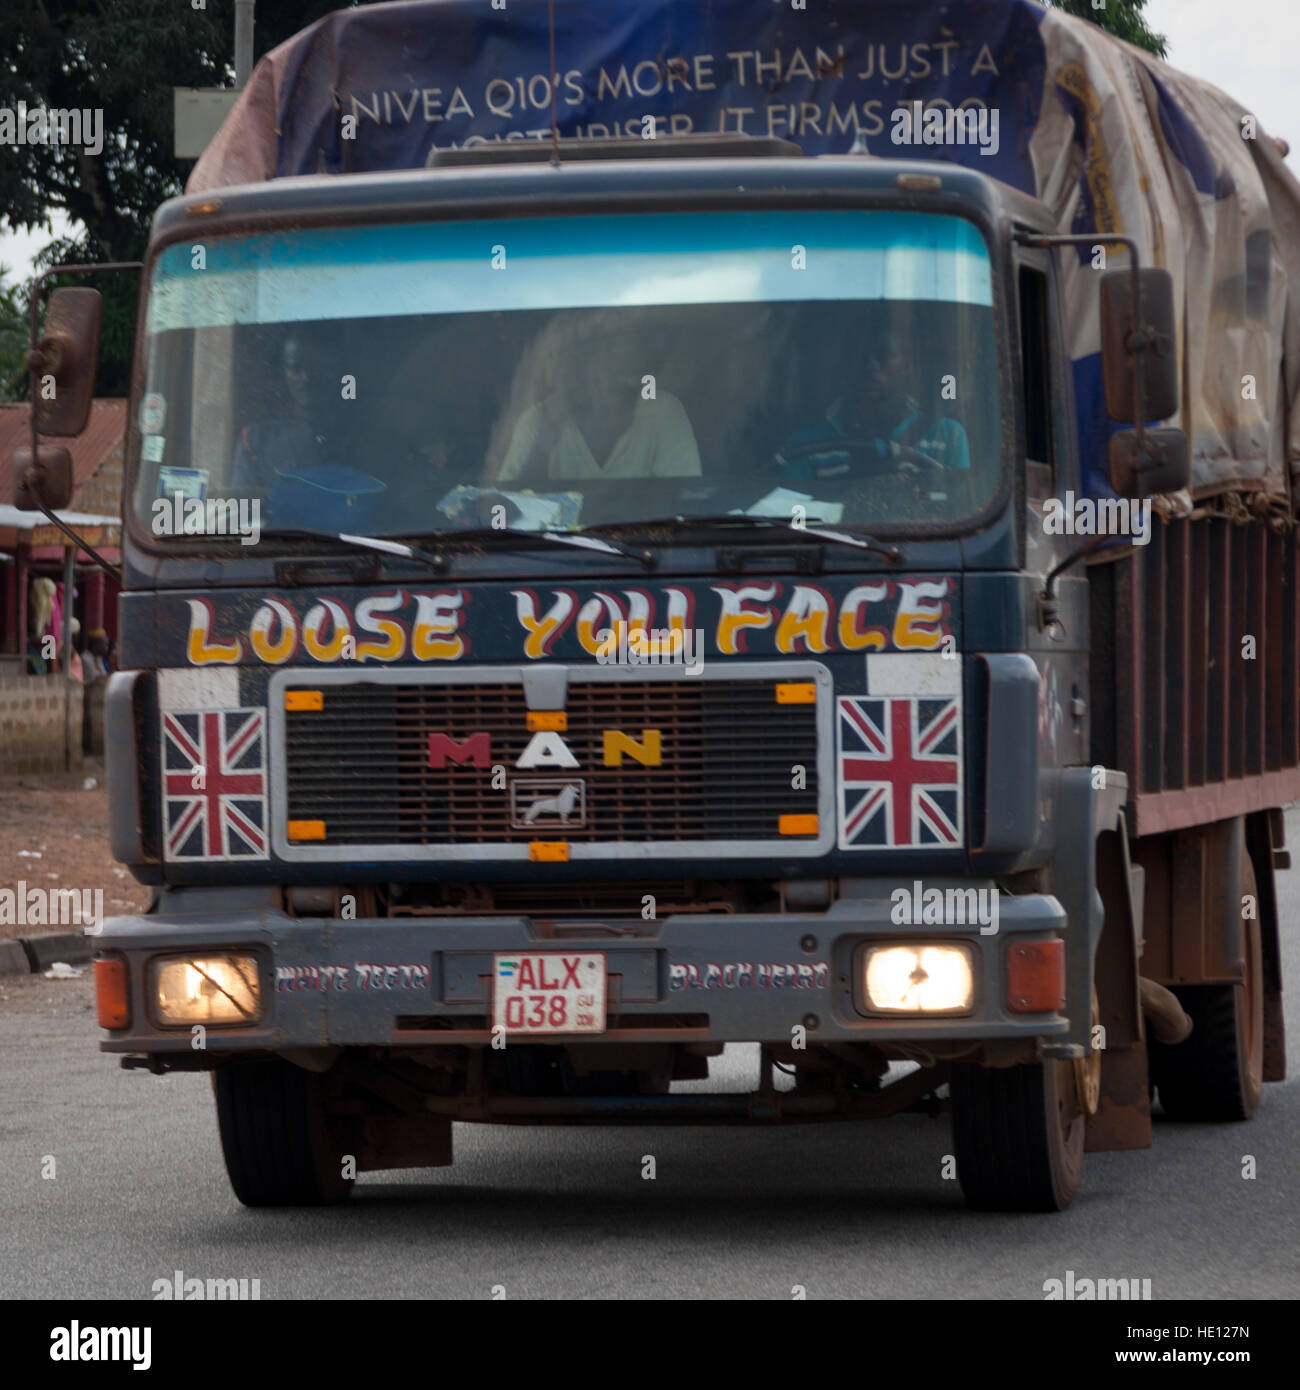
600, 418
883, 421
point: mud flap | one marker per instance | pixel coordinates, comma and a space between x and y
1085, 813
1123, 1118
1265, 836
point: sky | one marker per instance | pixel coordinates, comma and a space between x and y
1246, 47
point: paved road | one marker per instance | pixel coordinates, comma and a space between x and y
846, 1211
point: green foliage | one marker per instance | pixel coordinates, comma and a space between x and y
1123, 18
123, 58
121, 290
13, 339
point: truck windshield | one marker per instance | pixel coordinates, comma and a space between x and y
400, 380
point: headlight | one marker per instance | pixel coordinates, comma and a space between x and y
919, 979
207, 989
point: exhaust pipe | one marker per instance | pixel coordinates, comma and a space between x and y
1165, 1016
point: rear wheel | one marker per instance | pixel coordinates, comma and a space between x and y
1217, 1073
1018, 1133
276, 1137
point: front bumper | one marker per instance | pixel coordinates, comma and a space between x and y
412, 982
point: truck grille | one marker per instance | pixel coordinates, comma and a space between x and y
730, 753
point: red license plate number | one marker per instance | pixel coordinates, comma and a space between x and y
548, 992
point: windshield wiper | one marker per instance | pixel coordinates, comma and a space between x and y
767, 523
478, 534
371, 543
438, 560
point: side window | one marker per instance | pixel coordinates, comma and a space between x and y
1036, 359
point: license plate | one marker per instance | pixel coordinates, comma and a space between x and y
551, 992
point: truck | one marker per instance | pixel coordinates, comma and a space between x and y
648, 528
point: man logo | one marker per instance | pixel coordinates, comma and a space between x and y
476, 750
561, 805
548, 803
546, 750
648, 752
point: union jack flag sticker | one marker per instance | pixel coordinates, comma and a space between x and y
900, 781
214, 776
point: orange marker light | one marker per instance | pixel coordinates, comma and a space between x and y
544, 721
797, 825
306, 830
111, 1001
548, 851
1036, 977
799, 693
298, 700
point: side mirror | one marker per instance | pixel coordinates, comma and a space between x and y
49, 480
1164, 469
1146, 328
69, 352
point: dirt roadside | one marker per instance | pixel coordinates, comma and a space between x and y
54, 834
33, 995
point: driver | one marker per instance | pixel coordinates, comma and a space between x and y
880, 416
285, 461
286, 444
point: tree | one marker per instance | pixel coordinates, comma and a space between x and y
13, 340
121, 58
1123, 18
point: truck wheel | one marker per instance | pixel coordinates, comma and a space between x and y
275, 1136
1217, 1073
1018, 1133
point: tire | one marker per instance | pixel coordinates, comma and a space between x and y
275, 1136
1018, 1134
1217, 1073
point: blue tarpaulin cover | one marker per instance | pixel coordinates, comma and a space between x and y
1108, 137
